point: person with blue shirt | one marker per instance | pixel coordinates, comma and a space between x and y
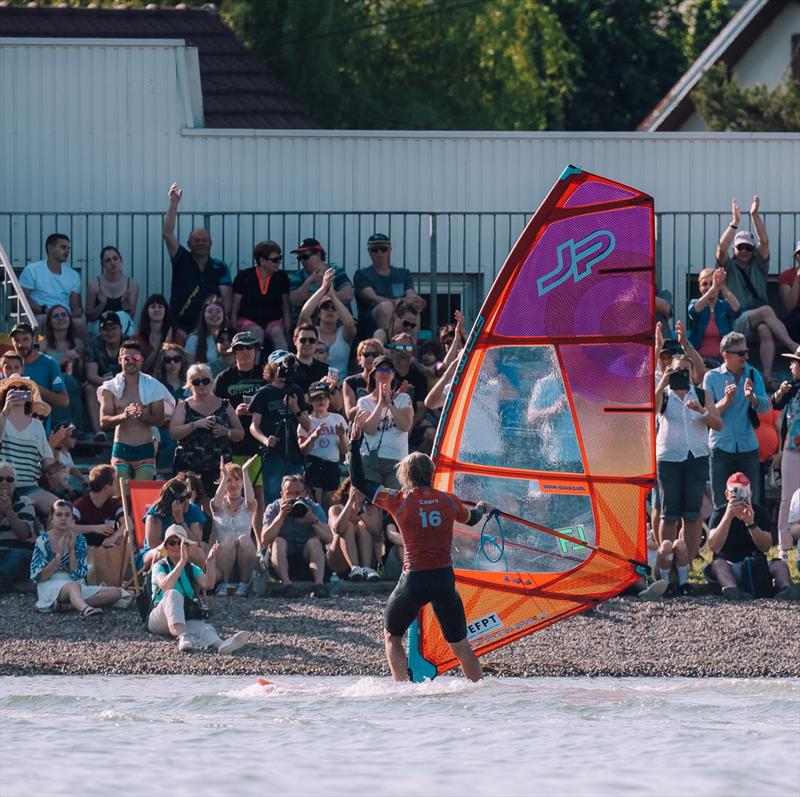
739, 394
712, 315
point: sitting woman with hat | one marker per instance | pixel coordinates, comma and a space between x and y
175, 609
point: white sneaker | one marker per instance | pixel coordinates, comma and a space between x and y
356, 573
222, 589
233, 643
654, 590
187, 643
371, 575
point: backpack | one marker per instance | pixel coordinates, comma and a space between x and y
756, 578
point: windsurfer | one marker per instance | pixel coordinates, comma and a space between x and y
425, 518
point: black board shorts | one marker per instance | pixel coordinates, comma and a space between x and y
416, 589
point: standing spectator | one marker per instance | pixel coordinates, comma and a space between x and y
232, 508
335, 327
747, 273
664, 310
311, 268
170, 369
195, 274
380, 285
405, 319
204, 426
156, 326
309, 369
261, 297
712, 315
239, 384
276, 410
201, 345
132, 403
738, 392
295, 530
411, 379
102, 364
67, 350
789, 292
51, 281
113, 290
355, 386
40, 368
17, 535
59, 568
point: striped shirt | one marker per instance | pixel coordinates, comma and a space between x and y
23, 508
25, 449
43, 554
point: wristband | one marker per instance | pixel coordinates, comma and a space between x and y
733, 226
751, 526
704, 414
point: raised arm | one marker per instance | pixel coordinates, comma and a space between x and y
170, 217
762, 247
726, 239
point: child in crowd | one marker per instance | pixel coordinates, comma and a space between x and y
11, 364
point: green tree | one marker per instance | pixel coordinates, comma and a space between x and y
703, 19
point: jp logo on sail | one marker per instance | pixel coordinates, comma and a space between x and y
583, 255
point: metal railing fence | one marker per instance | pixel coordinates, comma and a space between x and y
454, 256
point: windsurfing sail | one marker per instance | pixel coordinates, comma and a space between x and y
550, 418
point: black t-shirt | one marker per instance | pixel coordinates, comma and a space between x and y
190, 286
306, 375
418, 382
357, 384
278, 420
258, 307
237, 387
739, 543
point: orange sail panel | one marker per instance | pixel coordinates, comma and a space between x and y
550, 418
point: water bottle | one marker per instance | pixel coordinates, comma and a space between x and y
335, 585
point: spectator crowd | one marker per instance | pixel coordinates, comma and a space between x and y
238, 393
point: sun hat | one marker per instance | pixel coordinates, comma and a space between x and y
243, 340
175, 531
795, 356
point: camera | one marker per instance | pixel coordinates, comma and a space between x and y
299, 508
740, 492
287, 367
679, 380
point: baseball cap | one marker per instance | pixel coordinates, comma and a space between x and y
109, 318
383, 360
744, 237
308, 245
378, 238
21, 326
318, 389
243, 340
671, 346
277, 356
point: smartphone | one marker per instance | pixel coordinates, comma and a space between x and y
23, 395
334, 372
679, 380
740, 492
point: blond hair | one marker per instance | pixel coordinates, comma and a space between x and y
198, 369
415, 470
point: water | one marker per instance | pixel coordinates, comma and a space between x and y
182, 735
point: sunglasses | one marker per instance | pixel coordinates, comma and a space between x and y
9, 479
108, 326
745, 248
172, 359
172, 542
327, 306
306, 340
133, 357
60, 315
409, 325
201, 381
402, 347
373, 250
370, 354
742, 353
384, 369
306, 256
276, 259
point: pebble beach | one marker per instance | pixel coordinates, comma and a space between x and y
690, 637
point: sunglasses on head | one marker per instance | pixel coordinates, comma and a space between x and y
306, 340
172, 359
745, 248
201, 381
9, 479
375, 249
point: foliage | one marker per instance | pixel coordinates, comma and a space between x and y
725, 105
703, 19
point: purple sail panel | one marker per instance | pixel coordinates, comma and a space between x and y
593, 193
575, 281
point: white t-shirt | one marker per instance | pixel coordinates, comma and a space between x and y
211, 348
794, 508
326, 446
394, 443
48, 288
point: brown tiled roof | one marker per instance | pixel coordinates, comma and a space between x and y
237, 91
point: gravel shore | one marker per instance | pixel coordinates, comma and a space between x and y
698, 637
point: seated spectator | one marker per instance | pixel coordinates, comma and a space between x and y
132, 403
173, 507
431, 356
51, 281
11, 364
17, 535
61, 343
201, 345
394, 550
195, 274
102, 364
276, 410
99, 518
59, 568
794, 523
71, 482
411, 379
170, 369
789, 292
354, 539
379, 286
40, 368
323, 446
224, 358
261, 297
311, 268
309, 369
740, 536
386, 416
355, 385
296, 532
712, 315
113, 291
204, 426
747, 273
156, 326
738, 391
685, 414
24, 444
404, 320
233, 508
335, 325
176, 611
